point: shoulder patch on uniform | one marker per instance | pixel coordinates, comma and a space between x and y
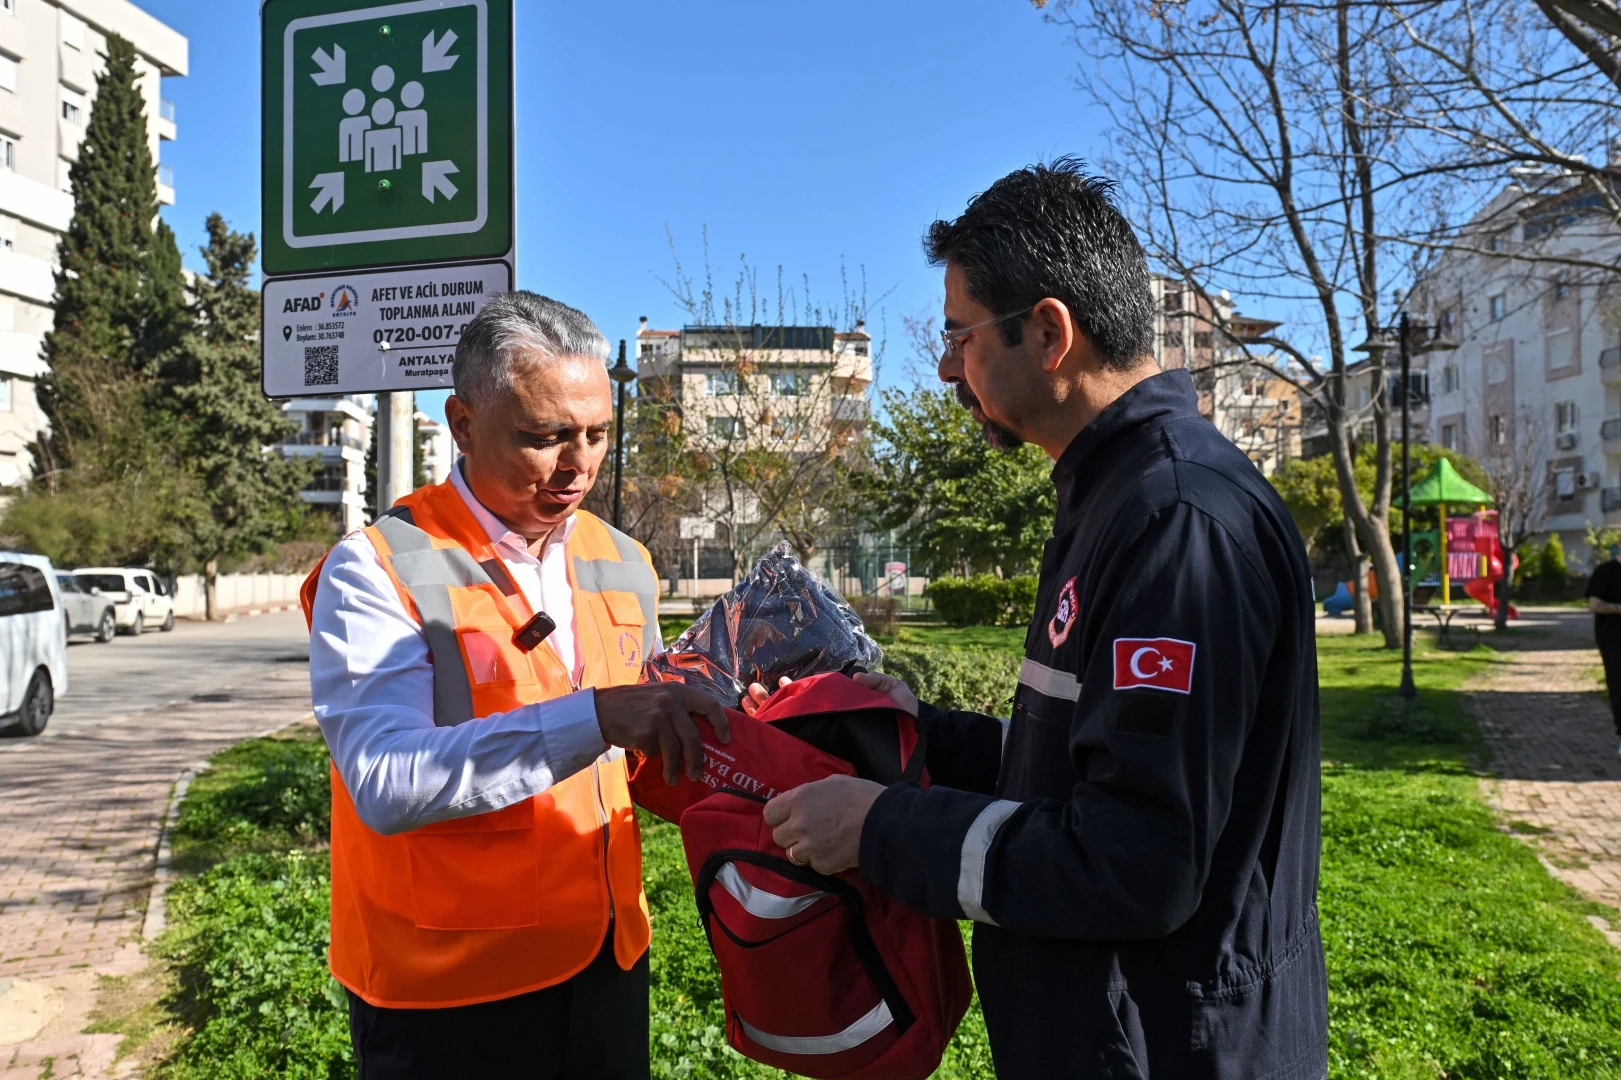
1154, 664
1064, 618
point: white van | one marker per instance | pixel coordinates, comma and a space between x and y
33, 642
140, 598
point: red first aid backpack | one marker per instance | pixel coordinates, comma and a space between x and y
825, 976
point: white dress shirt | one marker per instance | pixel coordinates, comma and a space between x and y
371, 682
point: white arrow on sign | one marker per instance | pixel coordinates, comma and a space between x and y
331, 185
332, 67
433, 54
435, 177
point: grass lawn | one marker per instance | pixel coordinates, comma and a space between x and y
1452, 953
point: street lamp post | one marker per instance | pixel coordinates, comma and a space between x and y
622, 374
1407, 689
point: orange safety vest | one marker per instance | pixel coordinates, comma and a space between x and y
486, 907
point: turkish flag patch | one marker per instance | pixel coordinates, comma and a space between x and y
1154, 663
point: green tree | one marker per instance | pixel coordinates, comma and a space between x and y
118, 290
1310, 489
962, 505
248, 497
1553, 574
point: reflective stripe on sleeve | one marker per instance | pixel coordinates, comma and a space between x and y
1050, 681
760, 903
976, 845
857, 1033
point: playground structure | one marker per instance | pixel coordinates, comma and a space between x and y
1466, 550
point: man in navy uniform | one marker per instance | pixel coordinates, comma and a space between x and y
1139, 844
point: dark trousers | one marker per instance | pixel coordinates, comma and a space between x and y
592, 1027
1609, 649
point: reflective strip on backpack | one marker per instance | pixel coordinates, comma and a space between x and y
976, 845
428, 575
1050, 681
760, 903
848, 1039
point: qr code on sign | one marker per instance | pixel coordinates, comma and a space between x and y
320, 365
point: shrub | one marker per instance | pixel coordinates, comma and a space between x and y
984, 600
981, 680
1552, 573
878, 614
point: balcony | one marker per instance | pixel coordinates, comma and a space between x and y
323, 438
850, 410
166, 185
166, 109
1609, 499
1609, 366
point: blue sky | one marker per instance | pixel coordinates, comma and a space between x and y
801, 135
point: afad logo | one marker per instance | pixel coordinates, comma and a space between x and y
630, 647
345, 301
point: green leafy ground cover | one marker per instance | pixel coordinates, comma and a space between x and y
1452, 953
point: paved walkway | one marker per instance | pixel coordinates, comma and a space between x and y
1554, 752
78, 838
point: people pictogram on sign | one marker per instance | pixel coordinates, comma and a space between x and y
352, 129
413, 119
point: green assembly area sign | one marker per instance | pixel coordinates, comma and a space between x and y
387, 133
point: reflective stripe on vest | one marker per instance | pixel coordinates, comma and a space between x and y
629, 574
428, 573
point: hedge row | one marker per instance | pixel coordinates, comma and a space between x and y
983, 600
980, 680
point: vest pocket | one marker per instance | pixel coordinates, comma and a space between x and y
492, 660
476, 873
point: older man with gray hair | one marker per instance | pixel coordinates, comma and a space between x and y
474, 657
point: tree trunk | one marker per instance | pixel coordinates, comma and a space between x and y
211, 574
1505, 589
1368, 539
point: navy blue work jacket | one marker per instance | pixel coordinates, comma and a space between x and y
1139, 844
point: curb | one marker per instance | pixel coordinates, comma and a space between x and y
163, 873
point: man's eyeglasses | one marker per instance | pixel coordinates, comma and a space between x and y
953, 339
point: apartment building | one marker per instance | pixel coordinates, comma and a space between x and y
1537, 371
782, 388
1248, 402
438, 448
337, 431
50, 54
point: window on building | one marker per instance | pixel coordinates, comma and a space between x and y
789, 427
1561, 287
1202, 339
1564, 484
1173, 299
8, 6
790, 383
1497, 429
1494, 243
725, 427
722, 383
72, 105
1361, 396
1564, 417
1449, 436
1450, 381
1497, 307
10, 72
8, 153
5, 393
72, 31
1561, 345
1172, 339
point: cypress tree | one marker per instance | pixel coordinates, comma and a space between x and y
119, 300
249, 497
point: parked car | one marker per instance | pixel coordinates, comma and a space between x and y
33, 646
86, 611
140, 598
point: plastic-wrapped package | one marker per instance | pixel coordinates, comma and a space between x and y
781, 619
